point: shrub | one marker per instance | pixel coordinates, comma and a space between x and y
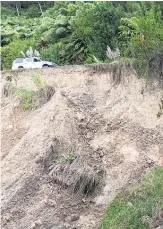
12, 51
32, 99
144, 37
52, 53
26, 98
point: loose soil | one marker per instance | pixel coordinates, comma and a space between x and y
105, 115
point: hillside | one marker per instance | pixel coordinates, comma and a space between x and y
79, 32
91, 132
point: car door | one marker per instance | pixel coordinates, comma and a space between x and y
28, 63
36, 63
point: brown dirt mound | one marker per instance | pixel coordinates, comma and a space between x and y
106, 116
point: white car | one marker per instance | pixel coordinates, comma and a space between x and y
33, 62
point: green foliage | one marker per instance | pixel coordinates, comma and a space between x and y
29, 97
12, 51
68, 159
37, 81
138, 207
52, 53
74, 32
6, 11
143, 37
98, 24
26, 98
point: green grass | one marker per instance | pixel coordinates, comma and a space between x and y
68, 159
137, 208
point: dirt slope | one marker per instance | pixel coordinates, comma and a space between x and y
105, 115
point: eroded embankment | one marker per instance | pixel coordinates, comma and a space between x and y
96, 135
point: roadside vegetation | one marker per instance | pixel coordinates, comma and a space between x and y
81, 32
31, 99
141, 207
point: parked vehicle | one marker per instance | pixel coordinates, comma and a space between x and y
33, 62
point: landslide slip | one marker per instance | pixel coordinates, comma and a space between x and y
105, 115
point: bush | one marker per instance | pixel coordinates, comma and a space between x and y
12, 51
33, 99
52, 53
26, 98
145, 38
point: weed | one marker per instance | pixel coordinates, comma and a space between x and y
29, 98
37, 81
26, 98
67, 159
158, 114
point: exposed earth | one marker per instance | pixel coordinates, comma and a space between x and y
104, 115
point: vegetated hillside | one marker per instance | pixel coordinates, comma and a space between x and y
79, 32
72, 139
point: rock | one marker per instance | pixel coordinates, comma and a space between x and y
92, 201
36, 224
149, 161
74, 217
101, 154
66, 226
6, 218
51, 203
83, 200
89, 135
80, 117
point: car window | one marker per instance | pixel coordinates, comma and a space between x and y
19, 60
36, 60
29, 59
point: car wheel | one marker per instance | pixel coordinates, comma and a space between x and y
45, 66
20, 67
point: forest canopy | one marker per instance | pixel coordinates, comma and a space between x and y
81, 32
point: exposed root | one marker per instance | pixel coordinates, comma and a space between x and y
80, 179
117, 70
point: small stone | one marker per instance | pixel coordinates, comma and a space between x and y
36, 224
92, 201
101, 154
66, 226
6, 218
74, 217
80, 117
89, 136
51, 203
149, 161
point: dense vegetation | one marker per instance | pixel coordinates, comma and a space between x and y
79, 32
141, 207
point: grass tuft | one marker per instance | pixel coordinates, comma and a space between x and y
139, 207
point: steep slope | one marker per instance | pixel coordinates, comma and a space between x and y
102, 114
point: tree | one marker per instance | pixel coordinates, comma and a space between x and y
97, 23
